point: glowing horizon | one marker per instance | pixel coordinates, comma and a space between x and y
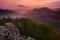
29, 3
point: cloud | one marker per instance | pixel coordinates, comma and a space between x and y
35, 2
21, 6
23, 3
54, 4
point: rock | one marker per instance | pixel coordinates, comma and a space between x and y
29, 38
12, 33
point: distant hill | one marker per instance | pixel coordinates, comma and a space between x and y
5, 11
47, 16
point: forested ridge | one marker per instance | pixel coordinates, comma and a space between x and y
29, 27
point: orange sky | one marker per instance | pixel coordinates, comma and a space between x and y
28, 3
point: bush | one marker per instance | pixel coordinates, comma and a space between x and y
28, 27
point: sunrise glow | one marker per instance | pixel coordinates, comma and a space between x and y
28, 3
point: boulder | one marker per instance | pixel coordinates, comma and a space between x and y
12, 33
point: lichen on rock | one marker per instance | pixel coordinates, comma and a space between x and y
12, 33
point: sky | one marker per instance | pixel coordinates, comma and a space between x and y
13, 4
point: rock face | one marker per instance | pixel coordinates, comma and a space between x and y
9, 33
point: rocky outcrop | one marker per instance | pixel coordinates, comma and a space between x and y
9, 32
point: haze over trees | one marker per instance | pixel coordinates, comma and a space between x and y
46, 15
29, 27
40, 24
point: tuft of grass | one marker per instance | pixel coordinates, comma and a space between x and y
6, 27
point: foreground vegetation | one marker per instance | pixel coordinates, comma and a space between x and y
28, 27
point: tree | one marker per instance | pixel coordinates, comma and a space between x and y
7, 19
1, 22
28, 27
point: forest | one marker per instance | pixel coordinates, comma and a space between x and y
29, 27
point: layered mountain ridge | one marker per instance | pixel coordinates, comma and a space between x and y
47, 16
